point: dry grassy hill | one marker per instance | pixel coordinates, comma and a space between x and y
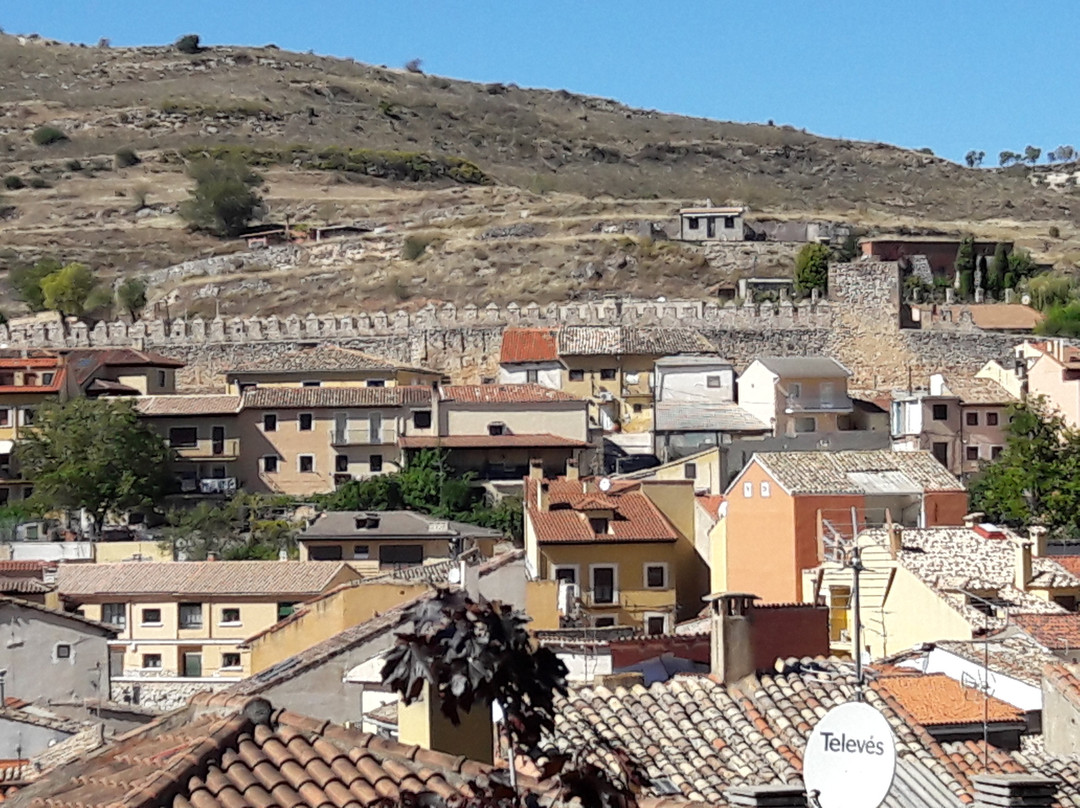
552, 182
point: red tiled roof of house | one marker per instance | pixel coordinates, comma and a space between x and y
1064, 681
503, 394
489, 441
1053, 631
1004, 316
24, 389
1069, 562
84, 361
35, 362
8, 567
316, 397
935, 699
174, 405
16, 585
635, 516
711, 503
529, 345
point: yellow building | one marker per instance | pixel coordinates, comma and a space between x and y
25, 384
623, 552
947, 583
185, 620
329, 366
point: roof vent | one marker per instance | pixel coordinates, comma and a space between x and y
438, 527
366, 521
992, 790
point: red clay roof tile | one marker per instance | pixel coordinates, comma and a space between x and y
529, 345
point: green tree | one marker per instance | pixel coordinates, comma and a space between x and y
70, 290
1062, 320
995, 281
812, 269
965, 255
1035, 480
246, 526
974, 158
223, 200
131, 295
93, 454
188, 43
1008, 158
1021, 264
27, 278
1032, 154
379, 493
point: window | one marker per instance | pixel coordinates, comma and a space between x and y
27, 416
971, 418
766, 489
795, 389
607, 374
807, 424
306, 422
940, 450
991, 419
712, 381
748, 490
115, 614
230, 616
341, 463
603, 584
655, 576
5, 416
941, 412
375, 463
605, 622
421, 419
689, 471
151, 661
270, 422
285, 609
326, 553
568, 574
971, 453
577, 375
375, 427
190, 615
161, 378
183, 437
406, 554
598, 524
729, 222
376, 383
270, 464
63, 651
497, 428
1067, 602
637, 408
692, 222
532, 376
995, 452
151, 617
311, 384
306, 463
655, 624
361, 552
230, 659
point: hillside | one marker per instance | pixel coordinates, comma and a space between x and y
553, 193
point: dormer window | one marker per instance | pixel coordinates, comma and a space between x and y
497, 428
599, 524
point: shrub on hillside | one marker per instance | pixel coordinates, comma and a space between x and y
126, 157
13, 183
188, 43
48, 135
223, 200
812, 269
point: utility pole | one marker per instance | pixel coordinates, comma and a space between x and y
856, 640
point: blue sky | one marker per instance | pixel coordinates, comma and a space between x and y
951, 75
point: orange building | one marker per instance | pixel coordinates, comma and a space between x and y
777, 509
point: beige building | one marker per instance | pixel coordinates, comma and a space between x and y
943, 583
1052, 369
184, 621
326, 366
798, 395
711, 223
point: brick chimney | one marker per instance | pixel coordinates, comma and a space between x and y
1022, 570
774, 795
996, 790
1038, 535
572, 470
731, 627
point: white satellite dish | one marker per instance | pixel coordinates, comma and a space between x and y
604, 484
850, 758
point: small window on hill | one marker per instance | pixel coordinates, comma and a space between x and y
497, 428
532, 376
607, 374
183, 437
270, 464
991, 419
577, 375
421, 419
306, 463
376, 383
63, 651
692, 222
995, 452
306, 421
712, 381
341, 463
971, 453
151, 661
311, 384
270, 422
941, 412
971, 418
690, 471
375, 463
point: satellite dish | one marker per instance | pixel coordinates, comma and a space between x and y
850, 758
604, 484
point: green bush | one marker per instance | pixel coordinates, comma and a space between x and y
126, 157
1061, 321
1055, 232
73, 165
812, 269
37, 182
414, 247
223, 200
13, 183
47, 136
189, 43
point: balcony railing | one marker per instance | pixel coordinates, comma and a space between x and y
814, 404
363, 436
209, 448
209, 485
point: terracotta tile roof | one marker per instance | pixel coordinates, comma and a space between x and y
936, 700
29, 362
635, 517
1032, 758
973, 390
152, 406
23, 389
67, 616
1064, 680
503, 394
1004, 316
253, 578
269, 398
711, 503
1069, 562
13, 585
601, 340
321, 358
702, 736
830, 472
529, 345
1054, 631
489, 441
8, 567
84, 362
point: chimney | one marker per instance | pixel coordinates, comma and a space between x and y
732, 635
1038, 535
996, 790
572, 470
972, 519
774, 795
424, 724
1023, 565
211, 556
536, 468
896, 540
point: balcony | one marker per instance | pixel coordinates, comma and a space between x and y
632, 600
838, 404
208, 485
363, 436
209, 449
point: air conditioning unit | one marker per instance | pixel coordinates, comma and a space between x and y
569, 595
604, 395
